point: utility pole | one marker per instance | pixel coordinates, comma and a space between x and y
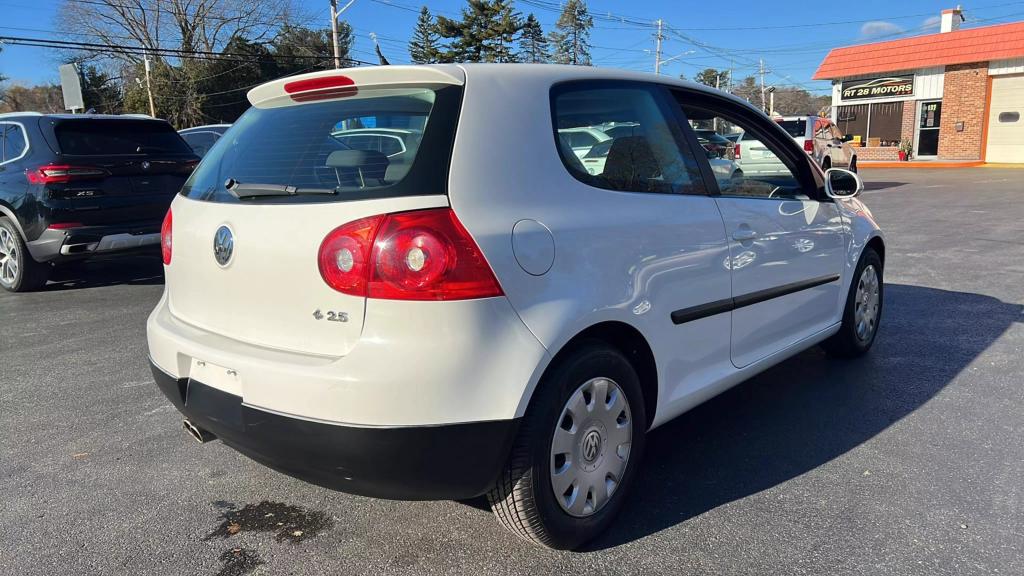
149, 85
335, 14
657, 48
760, 71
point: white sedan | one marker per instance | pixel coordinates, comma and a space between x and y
467, 323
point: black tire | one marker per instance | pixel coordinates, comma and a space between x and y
853, 165
826, 163
523, 499
30, 275
846, 343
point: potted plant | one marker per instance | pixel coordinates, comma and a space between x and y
906, 149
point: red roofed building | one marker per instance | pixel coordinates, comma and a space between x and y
954, 95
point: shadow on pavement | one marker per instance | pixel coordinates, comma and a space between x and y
868, 185
807, 410
135, 270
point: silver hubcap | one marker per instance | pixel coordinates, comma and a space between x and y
590, 448
865, 313
8, 257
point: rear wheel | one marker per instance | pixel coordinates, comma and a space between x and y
18, 271
863, 310
853, 165
826, 163
577, 451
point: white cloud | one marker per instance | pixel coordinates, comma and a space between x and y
879, 28
931, 23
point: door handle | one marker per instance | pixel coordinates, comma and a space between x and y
744, 235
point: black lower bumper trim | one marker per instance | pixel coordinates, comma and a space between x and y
448, 462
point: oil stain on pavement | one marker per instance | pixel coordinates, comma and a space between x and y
288, 523
239, 562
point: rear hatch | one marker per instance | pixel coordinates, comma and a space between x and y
113, 170
281, 180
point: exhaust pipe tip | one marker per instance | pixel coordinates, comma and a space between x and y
198, 434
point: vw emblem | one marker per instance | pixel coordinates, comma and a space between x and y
591, 445
145, 164
223, 245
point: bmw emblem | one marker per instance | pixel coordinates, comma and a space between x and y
223, 245
145, 164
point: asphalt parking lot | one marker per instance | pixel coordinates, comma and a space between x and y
908, 461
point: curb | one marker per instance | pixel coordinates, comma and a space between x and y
908, 165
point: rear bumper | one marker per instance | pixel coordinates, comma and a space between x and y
453, 461
86, 241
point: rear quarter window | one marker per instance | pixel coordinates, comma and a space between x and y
385, 142
117, 138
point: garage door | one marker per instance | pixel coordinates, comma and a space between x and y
1006, 120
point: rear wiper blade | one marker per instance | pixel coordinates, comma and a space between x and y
254, 190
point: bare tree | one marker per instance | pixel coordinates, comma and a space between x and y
172, 25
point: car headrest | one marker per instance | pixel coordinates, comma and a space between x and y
370, 163
631, 164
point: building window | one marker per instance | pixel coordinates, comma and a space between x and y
878, 124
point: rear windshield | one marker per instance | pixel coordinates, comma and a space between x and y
118, 138
796, 128
385, 142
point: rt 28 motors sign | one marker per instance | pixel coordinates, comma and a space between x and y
891, 87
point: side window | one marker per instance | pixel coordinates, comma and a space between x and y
757, 168
12, 142
646, 157
200, 142
823, 129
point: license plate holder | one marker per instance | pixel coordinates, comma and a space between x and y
215, 376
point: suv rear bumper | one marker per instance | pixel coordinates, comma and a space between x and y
86, 241
454, 461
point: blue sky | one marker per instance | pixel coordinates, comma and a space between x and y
791, 38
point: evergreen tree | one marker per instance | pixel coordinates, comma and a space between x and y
424, 48
572, 35
484, 34
713, 77
533, 45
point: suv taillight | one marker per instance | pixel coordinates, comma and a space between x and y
809, 145
736, 152
420, 255
166, 241
62, 173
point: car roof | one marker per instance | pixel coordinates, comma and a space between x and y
458, 74
206, 128
374, 130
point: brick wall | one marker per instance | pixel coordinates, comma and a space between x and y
877, 153
963, 100
909, 120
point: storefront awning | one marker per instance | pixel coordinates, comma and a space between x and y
982, 44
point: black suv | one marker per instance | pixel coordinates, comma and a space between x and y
75, 186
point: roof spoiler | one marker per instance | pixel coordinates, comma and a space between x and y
345, 82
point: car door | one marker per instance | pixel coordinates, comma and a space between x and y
838, 150
786, 239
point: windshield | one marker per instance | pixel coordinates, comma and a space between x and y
796, 128
387, 142
118, 138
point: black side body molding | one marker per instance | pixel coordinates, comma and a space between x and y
729, 304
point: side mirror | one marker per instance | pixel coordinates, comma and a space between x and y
841, 183
848, 138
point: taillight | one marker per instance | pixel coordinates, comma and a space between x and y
420, 255
344, 257
809, 146
321, 88
61, 173
736, 152
166, 240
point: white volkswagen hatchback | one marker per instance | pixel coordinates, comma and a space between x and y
458, 320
